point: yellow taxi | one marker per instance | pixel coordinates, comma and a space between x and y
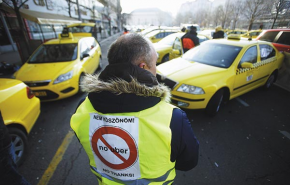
20, 110
237, 32
219, 70
176, 49
157, 35
55, 69
252, 34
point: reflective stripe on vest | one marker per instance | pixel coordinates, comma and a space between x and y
122, 147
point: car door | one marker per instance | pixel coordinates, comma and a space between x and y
246, 79
177, 49
266, 61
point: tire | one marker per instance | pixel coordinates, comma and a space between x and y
20, 143
270, 81
165, 58
214, 103
80, 79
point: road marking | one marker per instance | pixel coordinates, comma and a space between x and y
242, 102
285, 133
56, 159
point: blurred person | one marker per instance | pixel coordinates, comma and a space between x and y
8, 169
183, 29
125, 31
190, 39
219, 33
128, 128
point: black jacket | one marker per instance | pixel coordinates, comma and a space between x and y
218, 34
193, 36
128, 88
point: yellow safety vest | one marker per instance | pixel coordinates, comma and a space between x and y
127, 148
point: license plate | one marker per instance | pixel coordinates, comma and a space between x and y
40, 93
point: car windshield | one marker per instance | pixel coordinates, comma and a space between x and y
219, 55
168, 40
55, 53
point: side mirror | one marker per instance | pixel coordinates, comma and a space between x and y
85, 55
152, 38
247, 65
176, 52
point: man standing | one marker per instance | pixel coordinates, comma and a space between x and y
130, 132
190, 39
219, 33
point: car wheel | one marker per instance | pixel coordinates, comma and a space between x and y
165, 58
270, 81
19, 141
214, 103
80, 80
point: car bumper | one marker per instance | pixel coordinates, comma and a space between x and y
187, 101
56, 91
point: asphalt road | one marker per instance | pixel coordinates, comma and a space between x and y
247, 143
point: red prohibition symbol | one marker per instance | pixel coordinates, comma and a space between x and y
122, 134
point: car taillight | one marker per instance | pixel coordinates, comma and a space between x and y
29, 93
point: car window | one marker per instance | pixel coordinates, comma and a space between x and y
267, 51
160, 35
250, 56
202, 38
54, 53
219, 55
168, 40
269, 36
84, 48
284, 38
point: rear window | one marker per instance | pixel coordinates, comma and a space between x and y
269, 36
284, 38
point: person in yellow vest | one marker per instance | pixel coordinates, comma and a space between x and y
128, 128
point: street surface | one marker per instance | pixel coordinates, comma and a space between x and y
247, 143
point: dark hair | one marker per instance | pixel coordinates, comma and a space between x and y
130, 48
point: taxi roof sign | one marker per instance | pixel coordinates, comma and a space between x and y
66, 34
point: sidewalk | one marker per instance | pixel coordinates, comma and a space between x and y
13, 58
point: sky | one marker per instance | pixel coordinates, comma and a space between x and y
166, 5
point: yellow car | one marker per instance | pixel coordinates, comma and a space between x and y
176, 49
56, 68
219, 70
252, 34
20, 110
157, 35
237, 32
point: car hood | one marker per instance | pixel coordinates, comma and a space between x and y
189, 72
43, 71
160, 47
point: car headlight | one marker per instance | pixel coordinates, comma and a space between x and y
157, 55
63, 77
190, 89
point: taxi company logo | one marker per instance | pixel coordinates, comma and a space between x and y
98, 135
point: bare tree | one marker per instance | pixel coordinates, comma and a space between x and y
236, 12
16, 5
252, 10
225, 13
217, 14
280, 7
